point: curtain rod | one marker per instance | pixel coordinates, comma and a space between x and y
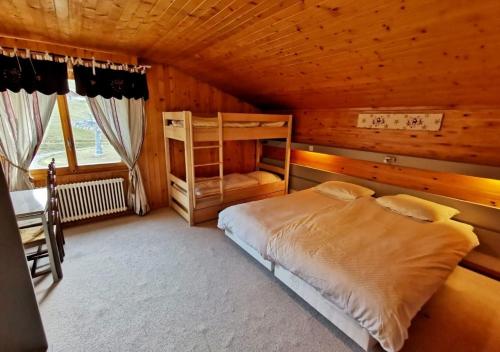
45, 55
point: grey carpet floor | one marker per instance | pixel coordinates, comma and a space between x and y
155, 284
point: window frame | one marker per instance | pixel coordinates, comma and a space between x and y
69, 146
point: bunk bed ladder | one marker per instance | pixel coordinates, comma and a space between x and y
221, 156
219, 146
190, 173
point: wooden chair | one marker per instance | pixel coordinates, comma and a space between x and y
33, 235
56, 215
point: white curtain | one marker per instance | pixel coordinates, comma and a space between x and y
123, 122
23, 120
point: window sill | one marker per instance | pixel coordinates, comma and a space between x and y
41, 174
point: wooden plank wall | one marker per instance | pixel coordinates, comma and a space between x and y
467, 135
239, 156
173, 90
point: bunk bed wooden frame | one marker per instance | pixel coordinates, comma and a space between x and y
181, 126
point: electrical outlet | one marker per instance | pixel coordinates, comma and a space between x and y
390, 159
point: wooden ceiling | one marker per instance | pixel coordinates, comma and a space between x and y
292, 53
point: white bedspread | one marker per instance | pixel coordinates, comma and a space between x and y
377, 266
255, 222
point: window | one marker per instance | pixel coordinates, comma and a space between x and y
73, 137
52, 145
91, 145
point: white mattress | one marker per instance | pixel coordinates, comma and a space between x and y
377, 266
210, 122
256, 222
273, 124
231, 181
235, 181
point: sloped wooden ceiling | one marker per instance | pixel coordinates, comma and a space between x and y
291, 53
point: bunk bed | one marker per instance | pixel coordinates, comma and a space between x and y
198, 199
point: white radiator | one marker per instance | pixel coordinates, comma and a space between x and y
84, 200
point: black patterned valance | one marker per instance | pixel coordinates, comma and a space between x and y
110, 83
43, 76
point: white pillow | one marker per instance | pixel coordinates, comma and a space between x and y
417, 208
344, 190
264, 177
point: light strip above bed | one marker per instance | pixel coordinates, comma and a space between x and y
473, 189
483, 171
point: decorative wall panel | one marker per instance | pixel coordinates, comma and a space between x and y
392, 121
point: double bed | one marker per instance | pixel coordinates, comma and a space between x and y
366, 268
256, 222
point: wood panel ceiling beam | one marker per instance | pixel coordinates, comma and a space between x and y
400, 59
292, 51
219, 16
412, 33
219, 31
237, 25
189, 23
267, 26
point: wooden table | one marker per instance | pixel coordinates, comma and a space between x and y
32, 204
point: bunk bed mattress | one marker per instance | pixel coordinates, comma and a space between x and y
256, 222
273, 124
377, 266
213, 123
231, 181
